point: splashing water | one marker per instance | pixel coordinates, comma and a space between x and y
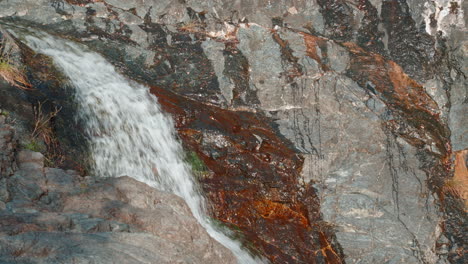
129, 134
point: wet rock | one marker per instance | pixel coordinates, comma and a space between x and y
48, 102
338, 17
254, 185
408, 46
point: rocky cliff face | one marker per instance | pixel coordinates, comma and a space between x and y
330, 131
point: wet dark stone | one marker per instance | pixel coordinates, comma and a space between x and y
338, 18
368, 35
277, 21
254, 184
409, 46
236, 67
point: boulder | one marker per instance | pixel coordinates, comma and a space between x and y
49, 215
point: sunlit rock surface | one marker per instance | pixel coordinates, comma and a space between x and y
331, 131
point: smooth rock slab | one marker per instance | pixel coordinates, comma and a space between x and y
100, 248
27, 159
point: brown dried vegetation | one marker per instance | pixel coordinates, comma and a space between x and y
13, 74
42, 125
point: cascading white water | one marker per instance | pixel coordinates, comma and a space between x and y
129, 134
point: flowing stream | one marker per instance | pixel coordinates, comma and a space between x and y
129, 134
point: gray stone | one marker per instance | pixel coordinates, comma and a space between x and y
435, 88
129, 18
458, 117
27, 159
214, 51
458, 120
164, 224
263, 54
101, 248
29, 184
338, 56
4, 195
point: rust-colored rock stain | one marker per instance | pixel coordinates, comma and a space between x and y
254, 183
458, 185
414, 116
407, 99
315, 45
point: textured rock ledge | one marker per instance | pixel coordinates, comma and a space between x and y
49, 215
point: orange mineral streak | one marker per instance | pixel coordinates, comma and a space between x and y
314, 44
384, 73
404, 96
272, 210
254, 184
458, 185
327, 251
408, 90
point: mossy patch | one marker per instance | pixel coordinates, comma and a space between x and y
33, 145
196, 164
4, 113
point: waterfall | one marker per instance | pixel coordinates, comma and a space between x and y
129, 134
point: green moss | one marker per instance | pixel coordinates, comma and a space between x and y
33, 145
6, 66
197, 165
13, 75
4, 113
